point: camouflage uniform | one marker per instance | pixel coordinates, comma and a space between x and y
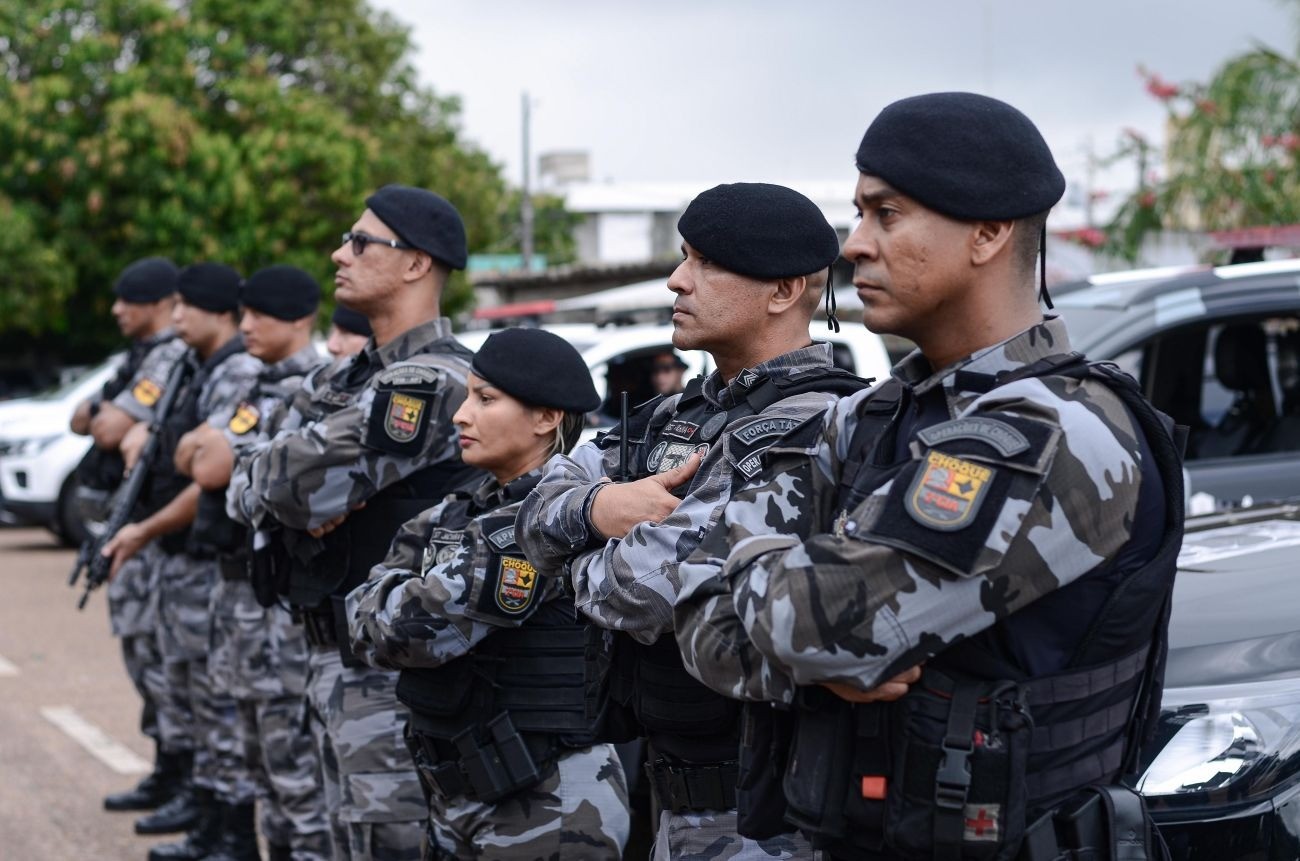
133, 593
630, 584
442, 591
184, 619
259, 657
382, 416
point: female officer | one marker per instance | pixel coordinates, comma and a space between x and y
491, 655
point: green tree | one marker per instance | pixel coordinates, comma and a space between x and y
1231, 158
247, 133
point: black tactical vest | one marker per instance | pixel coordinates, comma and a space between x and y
978, 747
692, 731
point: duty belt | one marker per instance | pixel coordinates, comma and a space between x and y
233, 568
681, 786
318, 626
486, 772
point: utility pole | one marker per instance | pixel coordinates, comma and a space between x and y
526, 197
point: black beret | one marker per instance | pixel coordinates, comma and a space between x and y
423, 220
147, 280
966, 156
211, 286
284, 292
760, 230
351, 321
537, 367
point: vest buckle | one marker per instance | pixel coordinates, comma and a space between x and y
952, 780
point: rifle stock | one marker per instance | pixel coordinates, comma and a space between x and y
91, 557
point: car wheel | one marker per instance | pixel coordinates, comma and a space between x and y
68, 524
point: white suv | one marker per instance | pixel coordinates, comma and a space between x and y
39, 454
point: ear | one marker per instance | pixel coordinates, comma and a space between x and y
789, 292
990, 239
546, 420
421, 265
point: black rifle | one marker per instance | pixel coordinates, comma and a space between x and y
90, 558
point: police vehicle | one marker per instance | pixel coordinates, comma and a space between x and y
1222, 778
1218, 349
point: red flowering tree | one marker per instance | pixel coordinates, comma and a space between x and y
1232, 158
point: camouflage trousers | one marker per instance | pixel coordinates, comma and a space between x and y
712, 835
579, 811
189, 705
140, 654
256, 652
281, 754
376, 808
133, 594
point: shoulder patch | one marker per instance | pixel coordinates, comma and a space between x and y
503, 538
516, 585
147, 392
762, 428
408, 375
748, 441
947, 491
999, 435
244, 419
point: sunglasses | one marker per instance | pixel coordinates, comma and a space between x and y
361, 240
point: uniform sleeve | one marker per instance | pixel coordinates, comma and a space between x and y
961, 537
553, 522
307, 476
230, 388
407, 615
145, 389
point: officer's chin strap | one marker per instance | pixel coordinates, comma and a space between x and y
832, 322
1042, 269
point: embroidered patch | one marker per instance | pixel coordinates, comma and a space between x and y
244, 419
947, 492
147, 392
747, 378
652, 462
403, 376
675, 454
402, 422
516, 585
982, 823
679, 429
761, 428
998, 434
503, 538
713, 426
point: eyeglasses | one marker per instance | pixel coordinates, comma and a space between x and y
361, 240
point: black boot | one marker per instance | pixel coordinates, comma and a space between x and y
180, 812
155, 789
279, 852
238, 840
200, 839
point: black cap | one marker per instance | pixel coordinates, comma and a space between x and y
284, 292
966, 156
351, 321
423, 220
537, 367
760, 230
147, 280
211, 286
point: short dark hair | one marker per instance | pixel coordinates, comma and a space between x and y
1028, 240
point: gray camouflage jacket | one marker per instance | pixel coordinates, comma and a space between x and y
788, 590
334, 450
438, 592
146, 388
630, 584
275, 385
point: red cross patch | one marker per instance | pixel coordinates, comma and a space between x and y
982, 823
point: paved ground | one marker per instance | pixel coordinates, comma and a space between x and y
61, 678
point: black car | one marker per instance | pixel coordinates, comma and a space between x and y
1219, 350
1223, 776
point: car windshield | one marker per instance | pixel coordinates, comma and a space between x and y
1087, 325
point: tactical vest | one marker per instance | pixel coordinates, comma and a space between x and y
102, 470
693, 731
321, 572
978, 749
492, 723
164, 482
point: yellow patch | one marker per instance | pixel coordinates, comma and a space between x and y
516, 585
947, 491
244, 419
147, 392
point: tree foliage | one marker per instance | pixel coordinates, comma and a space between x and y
1232, 157
248, 133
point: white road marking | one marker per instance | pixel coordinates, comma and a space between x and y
116, 756
6, 668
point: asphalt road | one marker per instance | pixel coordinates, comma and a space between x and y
63, 692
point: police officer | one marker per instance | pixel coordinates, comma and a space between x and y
206, 318
485, 646
1000, 510
356, 458
143, 307
258, 655
348, 333
756, 260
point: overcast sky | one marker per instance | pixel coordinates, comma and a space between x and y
764, 90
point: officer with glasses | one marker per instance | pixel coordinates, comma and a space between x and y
357, 456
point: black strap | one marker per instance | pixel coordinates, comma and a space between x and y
952, 781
